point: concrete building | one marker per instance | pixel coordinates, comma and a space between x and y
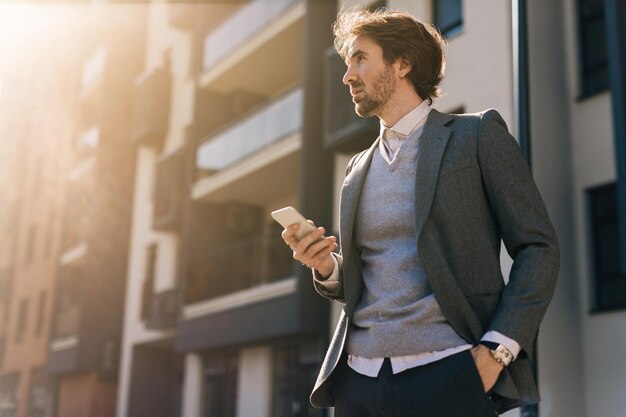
84, 345
213, 303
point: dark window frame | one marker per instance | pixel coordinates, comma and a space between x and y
21, 325
587, 17
604, 268
452, 27
220, 374
41, 313
295, 366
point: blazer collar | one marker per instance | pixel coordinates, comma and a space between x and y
432, 146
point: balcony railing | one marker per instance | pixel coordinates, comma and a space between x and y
162, 310
267, 126
240, 266
240, 27
67, 322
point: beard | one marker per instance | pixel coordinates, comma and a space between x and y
382, 89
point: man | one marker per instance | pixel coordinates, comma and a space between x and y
428, 328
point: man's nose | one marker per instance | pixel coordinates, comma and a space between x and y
348, 77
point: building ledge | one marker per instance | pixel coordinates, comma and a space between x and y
74, 254
64, 343
291, 16
81, 169
240, 299
222, 186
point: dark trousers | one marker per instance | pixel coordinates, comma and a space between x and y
450, 387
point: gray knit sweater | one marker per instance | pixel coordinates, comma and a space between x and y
398, 314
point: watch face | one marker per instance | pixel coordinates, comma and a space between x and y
503, 355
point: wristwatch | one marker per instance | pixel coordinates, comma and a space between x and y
499, 352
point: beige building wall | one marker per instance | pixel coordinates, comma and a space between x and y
593, 163
35, 127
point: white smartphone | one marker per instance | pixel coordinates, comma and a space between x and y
288, 216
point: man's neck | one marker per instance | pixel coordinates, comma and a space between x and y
399, 107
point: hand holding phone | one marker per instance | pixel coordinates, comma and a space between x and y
314, 252
288, 216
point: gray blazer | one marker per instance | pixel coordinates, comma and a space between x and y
474, 190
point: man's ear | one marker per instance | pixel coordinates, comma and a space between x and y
404, 67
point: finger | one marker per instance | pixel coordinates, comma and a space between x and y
288, 234
311, 238
321, 247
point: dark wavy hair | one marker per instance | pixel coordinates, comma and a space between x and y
400, 35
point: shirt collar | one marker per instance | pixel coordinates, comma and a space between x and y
409, 122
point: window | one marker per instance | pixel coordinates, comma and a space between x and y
22, 319
609, 283
295, 371
448, 16
41, 314
594, 68
220, 385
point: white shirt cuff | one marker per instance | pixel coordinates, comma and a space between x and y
499, 338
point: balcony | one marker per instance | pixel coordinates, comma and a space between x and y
77, 221
276, 121
247, 52
162, 310
344, 129
213, 110
265, 144
168, 192
242, 26
151, 108
68, 308
238, 266
67, 322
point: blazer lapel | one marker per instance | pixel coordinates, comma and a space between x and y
432, 145
350, 195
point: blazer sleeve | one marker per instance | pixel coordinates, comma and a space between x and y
333, 288
526, 231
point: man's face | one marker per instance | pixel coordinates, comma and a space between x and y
372, 82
